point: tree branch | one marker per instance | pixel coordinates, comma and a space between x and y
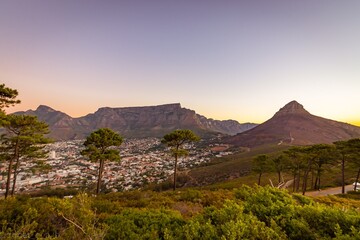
75, 224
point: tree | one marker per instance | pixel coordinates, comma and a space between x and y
175, 140
24, 139
296, 164
7, 97
342, 148
354, 151
325, 156
260, 165
279, 163
316, 155
99, 147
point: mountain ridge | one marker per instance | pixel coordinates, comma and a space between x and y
294, 125
143, 121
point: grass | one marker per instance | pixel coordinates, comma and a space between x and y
233, 171
234, 166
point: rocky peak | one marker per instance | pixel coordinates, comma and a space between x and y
45, 109
292, 107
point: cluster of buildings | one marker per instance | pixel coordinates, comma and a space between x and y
142, 161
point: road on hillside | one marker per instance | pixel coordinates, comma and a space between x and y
329, 191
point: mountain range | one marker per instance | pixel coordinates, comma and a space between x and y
293, 125
150, 121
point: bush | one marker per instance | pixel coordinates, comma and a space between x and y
244, 213
229, 222
144, 224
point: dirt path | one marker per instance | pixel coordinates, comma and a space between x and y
329, 191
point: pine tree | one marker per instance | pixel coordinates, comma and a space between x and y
99, 147
175, 140
24, 139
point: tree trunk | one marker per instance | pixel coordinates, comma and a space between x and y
318, 180
15, 175
294, 183
279, 176
306, 175
298, 180
101, 168
304, 184
357, 179
312, 177
8, 180
259, 180
343, 175
175, 169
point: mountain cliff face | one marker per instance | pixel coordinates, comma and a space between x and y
152, 121
293, 125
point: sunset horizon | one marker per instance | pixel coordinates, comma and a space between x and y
225, 60
18, 108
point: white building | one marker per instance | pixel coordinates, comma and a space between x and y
52, 154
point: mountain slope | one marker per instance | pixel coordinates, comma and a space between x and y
293, 125
61, 125
151, 121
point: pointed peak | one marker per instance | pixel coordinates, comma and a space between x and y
44, 108
292, 107
293, 104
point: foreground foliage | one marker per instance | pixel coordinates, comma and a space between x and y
243, 213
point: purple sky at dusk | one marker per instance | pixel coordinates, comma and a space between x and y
239, 60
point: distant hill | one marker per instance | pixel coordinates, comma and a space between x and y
151, 121
293, 125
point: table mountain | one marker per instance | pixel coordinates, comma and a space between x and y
151, 121
293, 125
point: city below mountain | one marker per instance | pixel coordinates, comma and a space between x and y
293, 125
152, 121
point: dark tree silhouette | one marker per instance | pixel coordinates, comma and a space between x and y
98, 147
175, 140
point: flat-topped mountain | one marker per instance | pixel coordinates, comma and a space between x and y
151, 121
293, 125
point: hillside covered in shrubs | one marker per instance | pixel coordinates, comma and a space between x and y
242, 213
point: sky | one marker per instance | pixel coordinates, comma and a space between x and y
240, 60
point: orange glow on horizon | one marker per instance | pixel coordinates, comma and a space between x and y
356, 123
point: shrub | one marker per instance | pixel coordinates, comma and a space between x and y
144, 224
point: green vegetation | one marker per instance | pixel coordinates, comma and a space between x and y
175, 140
349, 152
241, 213
260, 165
305, 161
98, 147
233, 166
22, 140
287, 166
7, 97
238, 213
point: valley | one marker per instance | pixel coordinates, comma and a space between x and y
143, 161
220, 156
